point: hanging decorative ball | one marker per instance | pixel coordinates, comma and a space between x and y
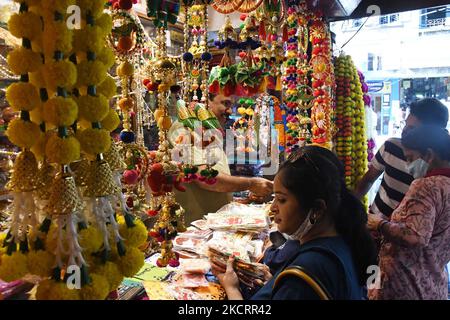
127, 136
188, 57
131, 177
206, 56
174, 263
125, 4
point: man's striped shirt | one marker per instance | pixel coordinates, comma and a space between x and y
396, 179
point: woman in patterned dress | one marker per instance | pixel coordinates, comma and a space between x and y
416, 240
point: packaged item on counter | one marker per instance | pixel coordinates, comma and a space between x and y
188, 243
201, 266
194, 280
201, 224
198, 234
239, 217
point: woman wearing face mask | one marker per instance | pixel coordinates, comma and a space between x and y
416, 245
334, 247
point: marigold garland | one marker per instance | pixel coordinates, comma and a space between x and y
94, 141
25, 25
23, 96
91, 73
60, 73
22, 60
60, 112
62, 150
98, 289
108, 87
57, 38
23, 133
93, 108
111, 121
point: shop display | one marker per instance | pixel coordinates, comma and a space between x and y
350, 113
89, 194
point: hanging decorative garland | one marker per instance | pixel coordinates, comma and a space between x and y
350, 120
323, 83
73, 234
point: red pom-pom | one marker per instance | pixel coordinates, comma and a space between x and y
153, 234
146, 81
160, 263
152, 213
125, 4
131, 177
242, 54
152, 86
174, 263
243, 17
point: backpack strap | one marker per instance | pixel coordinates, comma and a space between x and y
307, 276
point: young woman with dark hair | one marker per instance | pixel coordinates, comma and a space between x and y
416, 240
313, 206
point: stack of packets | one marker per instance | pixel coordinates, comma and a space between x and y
186, 282
245, 250
239, 217
191, 244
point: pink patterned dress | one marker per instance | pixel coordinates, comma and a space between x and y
416, 244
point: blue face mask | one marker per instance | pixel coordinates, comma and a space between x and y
418, 168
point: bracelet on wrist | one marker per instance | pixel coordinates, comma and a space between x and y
381, 225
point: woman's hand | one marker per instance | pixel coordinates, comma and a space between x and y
267, 275
228, 279
374, 220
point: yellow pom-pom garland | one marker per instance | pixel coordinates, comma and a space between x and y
90, 39
107, 57
61, 74
23, 96
134, 236
22, 60
13, 266
111, 121
23, 133
57, 37
25, 25
62, 150
60, 111
93, 109
40, 263
108, 87
111, 272
91, 73
98, 289
94, 141
131, 262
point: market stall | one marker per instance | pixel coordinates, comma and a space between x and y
92, 199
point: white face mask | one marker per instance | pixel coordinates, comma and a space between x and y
304, 228
418, 168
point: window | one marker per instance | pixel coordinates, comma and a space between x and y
434, 17
387, 19
384, 20
394, 18
357, 23
379, 63
370, 62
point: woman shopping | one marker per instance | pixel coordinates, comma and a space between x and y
334, 248
416, 240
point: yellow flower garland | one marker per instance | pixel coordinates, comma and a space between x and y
94, 141
62, 150
91, 73
22, 60
57, 38
23, 133
23, 96
60, 112
25, 25
111, 121
59, 74
93, 108
108, 87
